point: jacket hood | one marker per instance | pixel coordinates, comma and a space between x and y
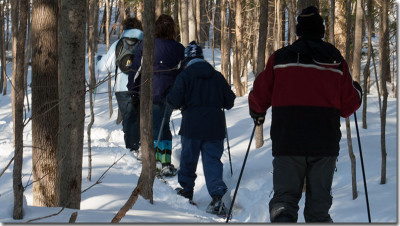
317, 49
201, 67
133, 33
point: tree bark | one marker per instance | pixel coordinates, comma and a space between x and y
217, 24
385, 77
225, 51
127, 206
107, 38
72, 102
45, 110
357, 42
262, 40
159, 8
292, 21
3, 79
19, 12
192, 20
185, 23
238, 49
147, 175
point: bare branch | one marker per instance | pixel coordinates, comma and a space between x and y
73, 217
102, 176
4, 170
48, 216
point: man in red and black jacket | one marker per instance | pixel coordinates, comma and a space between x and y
309, 86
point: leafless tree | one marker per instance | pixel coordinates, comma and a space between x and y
72, 102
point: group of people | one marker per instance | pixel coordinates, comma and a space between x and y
307, 84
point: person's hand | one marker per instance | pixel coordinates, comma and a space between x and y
135, 103
98, 57
358, 88
258, 118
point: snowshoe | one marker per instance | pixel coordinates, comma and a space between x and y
217, 207
168, 170
137, 153
186, 194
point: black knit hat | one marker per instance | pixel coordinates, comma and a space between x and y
310, 23
193, 51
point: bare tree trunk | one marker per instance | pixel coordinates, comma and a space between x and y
185, 22
127, 206
122, 16
216, 25
367, 71
92, 77
262, 40
203, 23
147, 175
192, 20
332, 22
45, 109
28, 54
277, 25
292, 21
159, 8
107, 38
198, 21
2, 49
238, 49
385, 75
18, 16
225, 52
140, 10
72, 102
357, 42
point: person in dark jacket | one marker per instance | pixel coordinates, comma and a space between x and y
309, 87
167, 58
201, 93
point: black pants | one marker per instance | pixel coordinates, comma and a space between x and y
288, 178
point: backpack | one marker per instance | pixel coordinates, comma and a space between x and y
124, 53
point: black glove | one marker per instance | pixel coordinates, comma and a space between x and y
358, 87
98, 57
257, 117
135, 103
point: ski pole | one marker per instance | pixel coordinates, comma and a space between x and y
362, 166
227, 142
240, 176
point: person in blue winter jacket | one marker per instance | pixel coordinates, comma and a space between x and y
167, 59
130, 116
201, 93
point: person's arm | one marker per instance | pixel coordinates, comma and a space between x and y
351, 93
176, 96
107, 62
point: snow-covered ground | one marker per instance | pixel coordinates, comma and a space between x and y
101, 202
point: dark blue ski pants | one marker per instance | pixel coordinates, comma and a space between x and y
130, 120
211, 152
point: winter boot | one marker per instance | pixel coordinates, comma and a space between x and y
186, 194
168, 170
216, 206
137, 153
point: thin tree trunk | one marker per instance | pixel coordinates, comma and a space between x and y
107, 38
357, 42
19, 16
385, 76
28, 54
92, 78
45, 100
198, 21
159, 8
238, 49
3, 79
122, 16
127, 206
292, 21
146, 179
140, 10
72, 102
225, 53
262, 40
192, 20
185, 22
367, 72
216, 25
332, 22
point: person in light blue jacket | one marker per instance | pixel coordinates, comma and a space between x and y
130, 114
